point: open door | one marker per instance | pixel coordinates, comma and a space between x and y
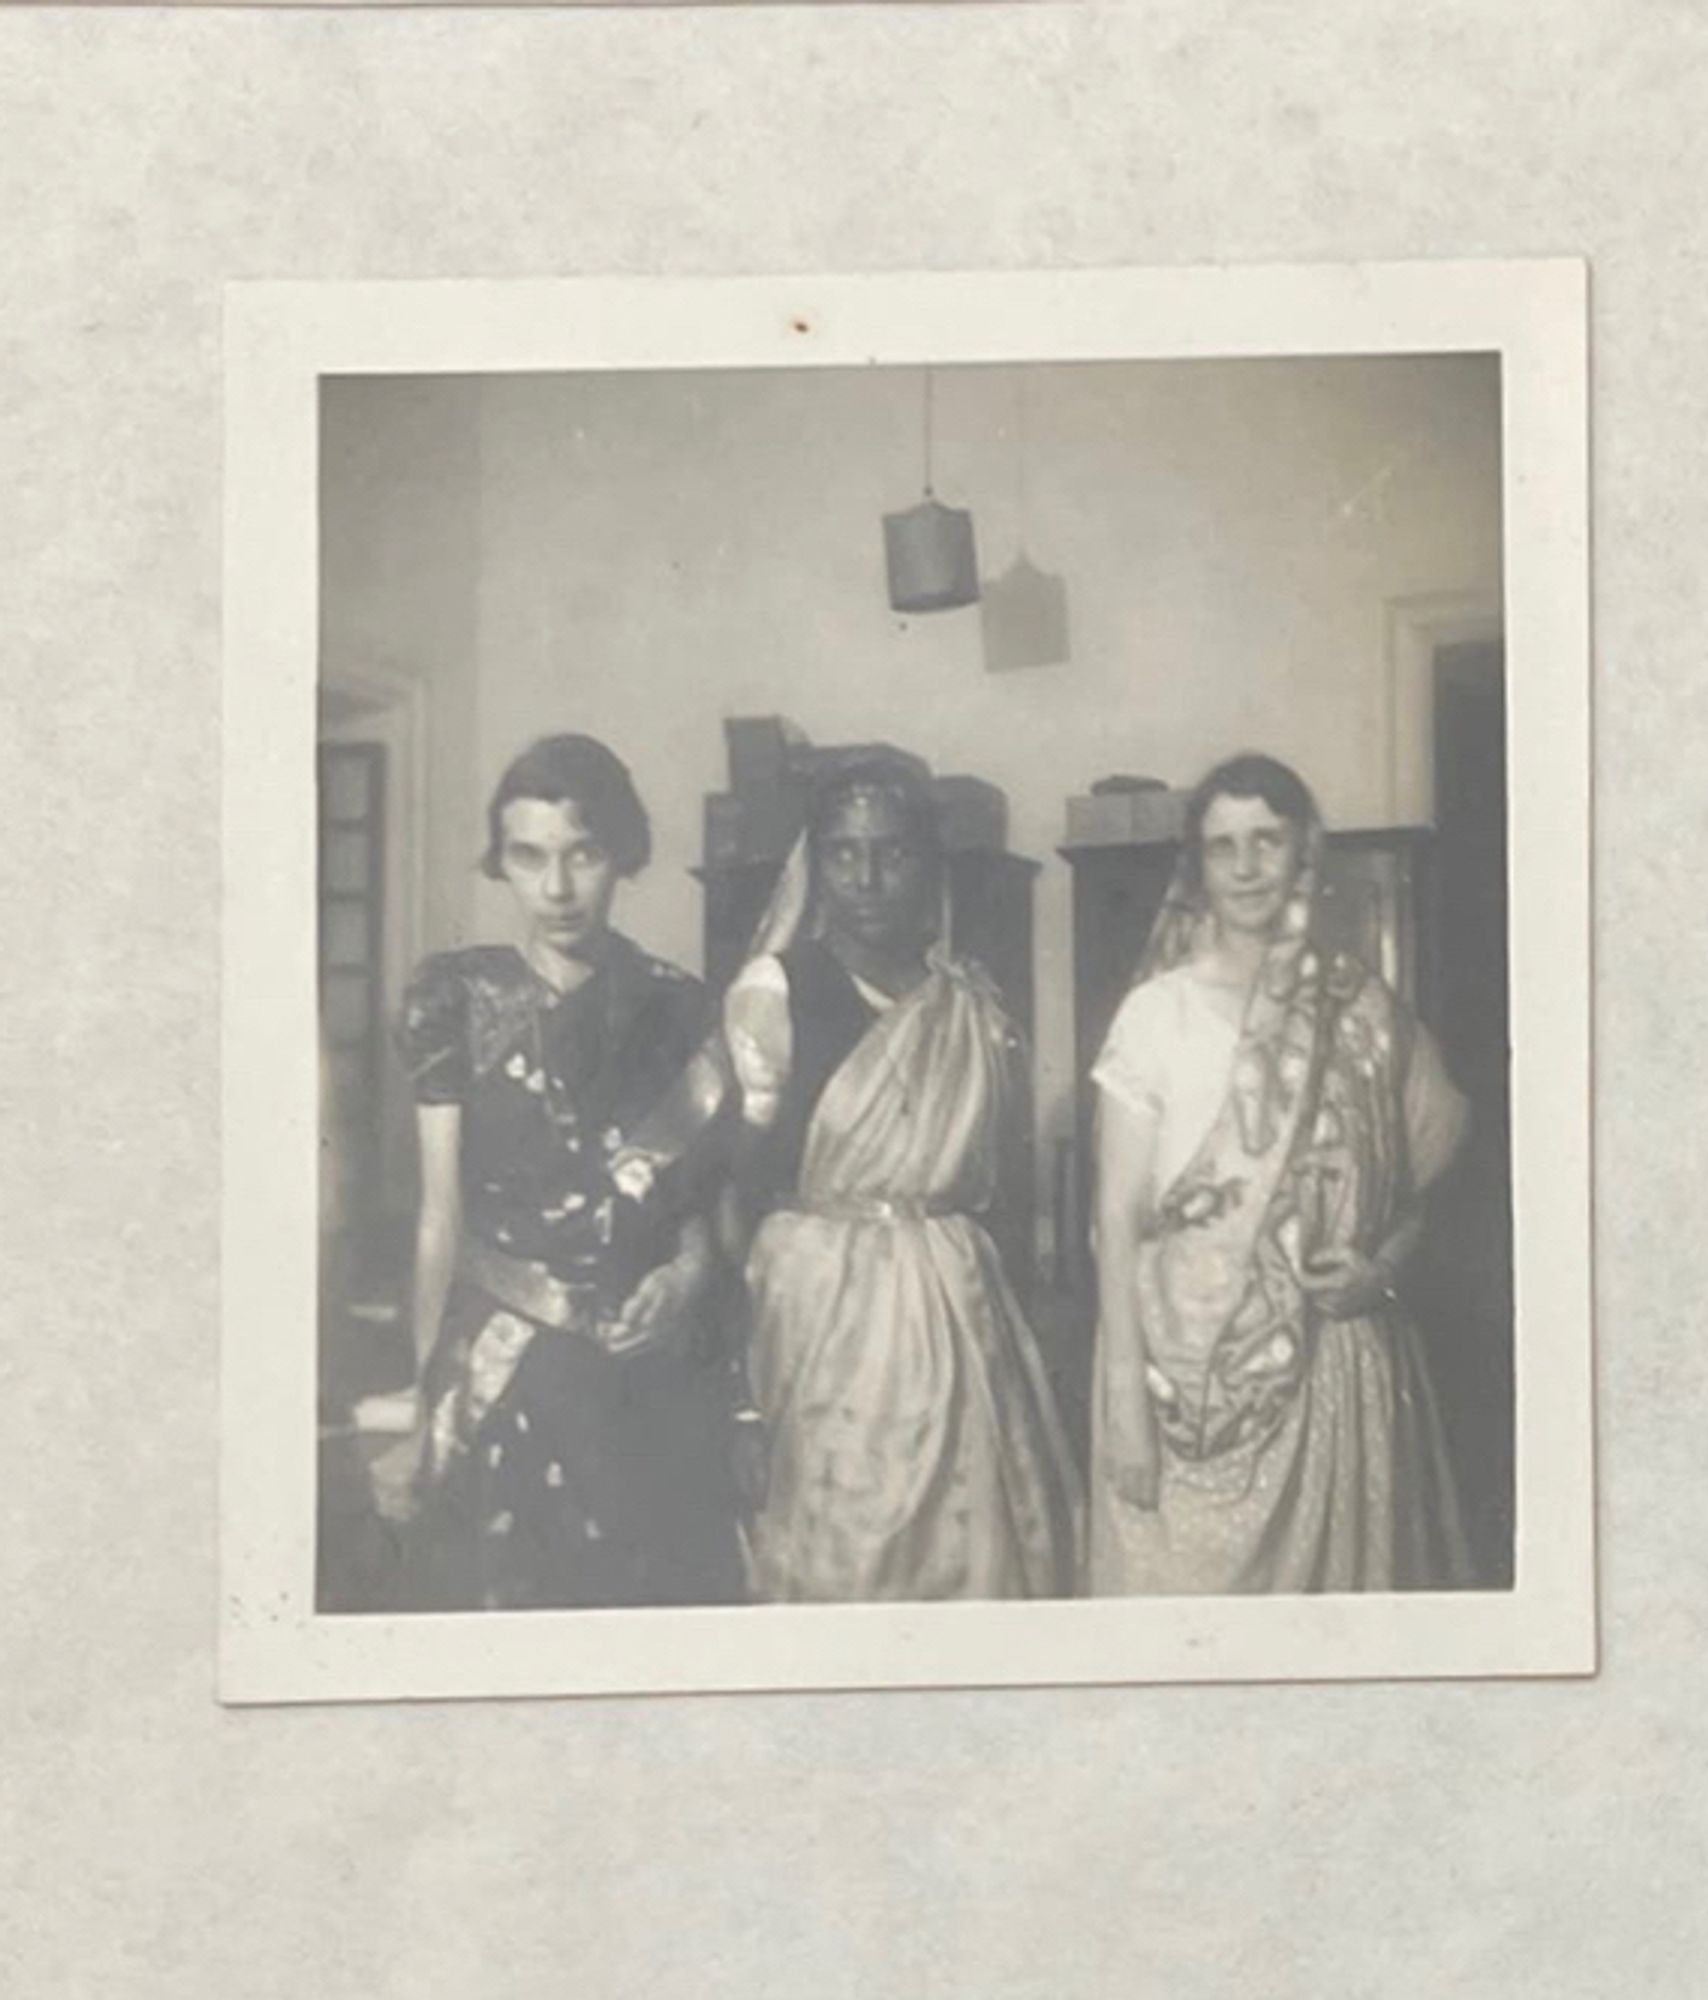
1464, 1276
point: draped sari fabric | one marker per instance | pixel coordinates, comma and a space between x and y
915, 1448
1300, 1453
707, 1082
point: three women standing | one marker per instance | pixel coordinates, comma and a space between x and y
1270, 1116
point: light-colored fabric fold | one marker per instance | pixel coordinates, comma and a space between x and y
916, 1450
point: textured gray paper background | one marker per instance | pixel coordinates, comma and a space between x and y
1364, 1840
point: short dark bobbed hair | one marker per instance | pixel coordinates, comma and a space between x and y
578, 771
898, 779
1251, 775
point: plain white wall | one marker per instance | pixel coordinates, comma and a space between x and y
641, 556
400, 500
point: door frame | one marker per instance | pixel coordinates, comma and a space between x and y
1417, 628
394, 712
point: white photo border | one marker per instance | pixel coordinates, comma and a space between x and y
281, 338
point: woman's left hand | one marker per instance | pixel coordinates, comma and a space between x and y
658, 1312
1345, 1285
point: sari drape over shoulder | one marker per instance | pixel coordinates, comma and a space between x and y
1300, 1453
915, 1450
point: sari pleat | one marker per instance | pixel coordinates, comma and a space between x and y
916, 1452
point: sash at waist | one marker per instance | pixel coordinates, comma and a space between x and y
872, 1208
530, 1288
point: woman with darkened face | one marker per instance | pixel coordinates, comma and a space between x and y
575, 1450
913, 1447
1270, 1117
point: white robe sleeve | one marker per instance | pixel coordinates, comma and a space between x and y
1131, 1067
760, 1038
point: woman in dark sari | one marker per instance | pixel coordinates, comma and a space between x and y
1270, 1117
576, 1441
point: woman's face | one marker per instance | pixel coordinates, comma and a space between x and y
1250, 856
559, 873
872, 877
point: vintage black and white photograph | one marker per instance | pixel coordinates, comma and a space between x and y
921, 1013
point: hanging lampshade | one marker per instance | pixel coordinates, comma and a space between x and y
929, 553
932, 563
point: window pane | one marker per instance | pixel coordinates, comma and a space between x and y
344, 934
344, 1005
345, 779
344, 862
351, 1084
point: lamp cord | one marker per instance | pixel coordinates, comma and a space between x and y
1020, 495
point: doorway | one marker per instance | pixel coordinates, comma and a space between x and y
372, 747
1464, 1277
370, 883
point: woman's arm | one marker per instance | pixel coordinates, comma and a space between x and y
1011, 1219
438, 1229
744, 1200
760, 1039
1437, 1119
1348, 1285
1397, 1248
1126, 1168
663, 1307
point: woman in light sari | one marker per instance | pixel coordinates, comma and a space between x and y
1269, 1117
913, 1446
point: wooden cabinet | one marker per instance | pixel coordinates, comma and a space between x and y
1375, 900
990, 919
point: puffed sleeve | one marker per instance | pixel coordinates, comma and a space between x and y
432, 1033
760, 1037
1436, 1113
1132, 1064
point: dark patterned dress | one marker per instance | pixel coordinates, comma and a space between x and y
554, 1473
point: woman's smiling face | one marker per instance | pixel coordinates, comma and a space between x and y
1249, 856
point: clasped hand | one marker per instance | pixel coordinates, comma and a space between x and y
657, 1313
1343, 1284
